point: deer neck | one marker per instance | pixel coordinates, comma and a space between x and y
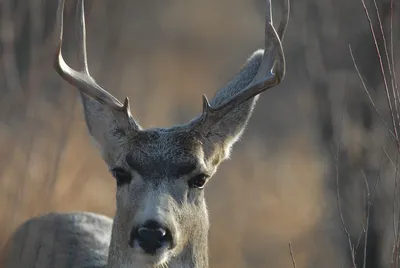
194, 255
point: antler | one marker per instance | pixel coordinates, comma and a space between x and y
270, 73
82, 79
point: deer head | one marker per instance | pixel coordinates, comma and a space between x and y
161, 214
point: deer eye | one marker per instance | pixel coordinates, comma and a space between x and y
198, 181
121, 175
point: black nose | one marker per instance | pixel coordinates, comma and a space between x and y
151, 236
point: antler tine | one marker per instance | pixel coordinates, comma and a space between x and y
280, 64
82, 52
285, 19
82, 79
270, 73
268, 13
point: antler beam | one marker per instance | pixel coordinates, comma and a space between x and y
270, 73
82, 79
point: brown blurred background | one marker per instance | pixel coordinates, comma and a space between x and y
280, 184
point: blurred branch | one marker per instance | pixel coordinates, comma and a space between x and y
291, 255
394, 135
62, 143
382, 69
394, 115
390, 64
366, 223
338, 198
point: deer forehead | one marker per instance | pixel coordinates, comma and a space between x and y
167, 153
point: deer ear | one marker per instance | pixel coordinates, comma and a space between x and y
223, 134
107, 132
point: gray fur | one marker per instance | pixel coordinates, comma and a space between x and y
160, 161
60, 240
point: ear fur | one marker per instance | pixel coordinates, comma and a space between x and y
108, 135
229, 129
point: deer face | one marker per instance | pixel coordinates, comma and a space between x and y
160, 180
160, 173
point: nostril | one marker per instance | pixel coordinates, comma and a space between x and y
145, 233
151, 236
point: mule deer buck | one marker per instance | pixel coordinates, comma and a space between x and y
161, 215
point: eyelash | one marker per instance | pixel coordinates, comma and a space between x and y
121, 175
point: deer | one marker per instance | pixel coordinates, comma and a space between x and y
161, 217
